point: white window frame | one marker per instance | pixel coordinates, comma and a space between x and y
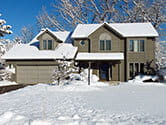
137, 45
105, 36
46, 48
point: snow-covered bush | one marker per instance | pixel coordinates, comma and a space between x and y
162, 74
160, 55
63, 70
149, 68
5, 75
84, 76
5, 45
144, 78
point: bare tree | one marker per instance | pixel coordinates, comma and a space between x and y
68, 13
160, 55
145, 11
26, 34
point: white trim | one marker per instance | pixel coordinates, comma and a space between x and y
100, 56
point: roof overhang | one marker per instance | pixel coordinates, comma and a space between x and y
100, 56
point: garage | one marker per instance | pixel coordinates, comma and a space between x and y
34, 74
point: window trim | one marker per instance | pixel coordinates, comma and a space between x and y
46, 48
105, 46
136, 43
82, 41
134, 68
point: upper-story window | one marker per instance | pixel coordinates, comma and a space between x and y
47, 44
137, 45
105, 41
82, 42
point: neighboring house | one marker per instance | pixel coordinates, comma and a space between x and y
115, 51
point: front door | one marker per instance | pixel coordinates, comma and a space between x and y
104, 71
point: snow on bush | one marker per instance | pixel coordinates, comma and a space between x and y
84, 76
63, 70
162, 73
143, 78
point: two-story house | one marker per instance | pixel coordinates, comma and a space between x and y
113, 51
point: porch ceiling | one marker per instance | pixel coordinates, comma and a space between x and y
100, 56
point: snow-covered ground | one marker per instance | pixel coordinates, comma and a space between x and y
80, 104
7, 83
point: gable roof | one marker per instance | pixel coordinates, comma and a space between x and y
61, 35
124, 29
25, 51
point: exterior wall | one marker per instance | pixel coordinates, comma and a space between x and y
117, 45
47, 36
81, 48
141, 57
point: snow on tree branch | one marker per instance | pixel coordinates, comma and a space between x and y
4, 29
63, 70
68, 13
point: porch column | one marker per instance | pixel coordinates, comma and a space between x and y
89, 67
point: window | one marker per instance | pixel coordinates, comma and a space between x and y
136, 68
105, 41
142, 68
131, 45
105, 44
131, 69
47, 44
108, 44
44, 44
141, 45
82, 42
102, 44
137, 45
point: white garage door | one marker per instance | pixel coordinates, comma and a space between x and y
34, 74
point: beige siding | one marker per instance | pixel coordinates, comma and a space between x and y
117, 46
141, 57
81, 48
34, 74
117, 43
47, 36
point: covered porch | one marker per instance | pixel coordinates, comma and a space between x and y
107, 66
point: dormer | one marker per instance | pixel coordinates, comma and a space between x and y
49, 40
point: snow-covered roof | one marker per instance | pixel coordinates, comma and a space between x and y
84, 30
135, 29
61, 35
25, 51
124, 29
100, 56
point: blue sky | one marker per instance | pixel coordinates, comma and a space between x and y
19, 13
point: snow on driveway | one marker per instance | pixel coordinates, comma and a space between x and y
84, 105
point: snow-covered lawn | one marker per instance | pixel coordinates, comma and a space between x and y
80, 104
